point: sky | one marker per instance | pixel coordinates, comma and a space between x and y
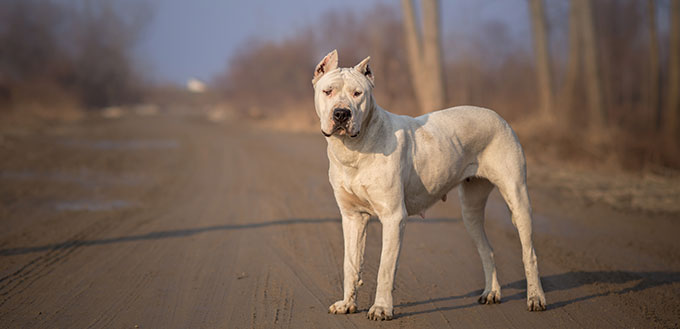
196, 38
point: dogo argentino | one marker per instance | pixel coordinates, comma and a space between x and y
393, 166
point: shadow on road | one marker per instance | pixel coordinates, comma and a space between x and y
565, 281
188, 232
569, 280
438, 309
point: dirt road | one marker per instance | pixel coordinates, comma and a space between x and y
177, 222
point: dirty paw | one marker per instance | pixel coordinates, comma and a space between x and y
490, 297
380, 313
536, 303
342, 307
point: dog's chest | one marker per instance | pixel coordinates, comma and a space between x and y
356, 198
360, 188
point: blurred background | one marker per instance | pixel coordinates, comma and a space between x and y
593, 82
161, 164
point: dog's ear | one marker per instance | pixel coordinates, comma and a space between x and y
365, 69
327, 64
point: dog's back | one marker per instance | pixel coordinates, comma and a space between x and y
456, 143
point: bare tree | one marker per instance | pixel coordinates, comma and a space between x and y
542, 56
653, 62
425, 55
597, 113
574, 59
105, 37
81, 51
672, 119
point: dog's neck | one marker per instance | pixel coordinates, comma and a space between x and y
347, 150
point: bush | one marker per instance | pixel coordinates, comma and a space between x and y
79, 54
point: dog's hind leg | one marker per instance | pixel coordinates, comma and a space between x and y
473, 194
514, 190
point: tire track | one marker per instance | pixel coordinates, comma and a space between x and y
273, 271
307, 284
38, 267
22, 279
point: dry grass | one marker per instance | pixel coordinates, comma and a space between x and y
37, 104
625, 191
575, 165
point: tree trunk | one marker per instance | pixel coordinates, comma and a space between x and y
425, 55
597, 114
672, 119
414, 50
653, 64
432, 55
542, 56
574, 60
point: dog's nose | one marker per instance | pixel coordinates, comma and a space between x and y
341, 116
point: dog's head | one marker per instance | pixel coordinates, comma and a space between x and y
342, 96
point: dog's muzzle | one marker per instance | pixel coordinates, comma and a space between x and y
341, 118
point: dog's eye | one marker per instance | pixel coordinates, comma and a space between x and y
357, 93
328, 92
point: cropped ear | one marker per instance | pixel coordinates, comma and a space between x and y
327, 64
364, 69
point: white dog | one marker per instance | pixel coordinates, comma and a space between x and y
393, 166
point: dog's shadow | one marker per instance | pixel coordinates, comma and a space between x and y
559, 282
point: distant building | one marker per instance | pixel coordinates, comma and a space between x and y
195, 86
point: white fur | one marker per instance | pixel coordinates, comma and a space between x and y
398, 166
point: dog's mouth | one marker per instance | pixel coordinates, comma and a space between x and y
340, 130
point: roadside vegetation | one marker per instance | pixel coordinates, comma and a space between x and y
59, 58
593, 83
594, 86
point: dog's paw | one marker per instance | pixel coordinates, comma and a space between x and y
380, 313
342, 307
490, 297
536, 303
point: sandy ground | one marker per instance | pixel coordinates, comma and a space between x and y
179, 222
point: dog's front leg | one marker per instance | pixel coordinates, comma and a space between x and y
393, 229
354, 232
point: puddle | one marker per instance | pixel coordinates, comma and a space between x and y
83, 177
124, 145
91, 205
